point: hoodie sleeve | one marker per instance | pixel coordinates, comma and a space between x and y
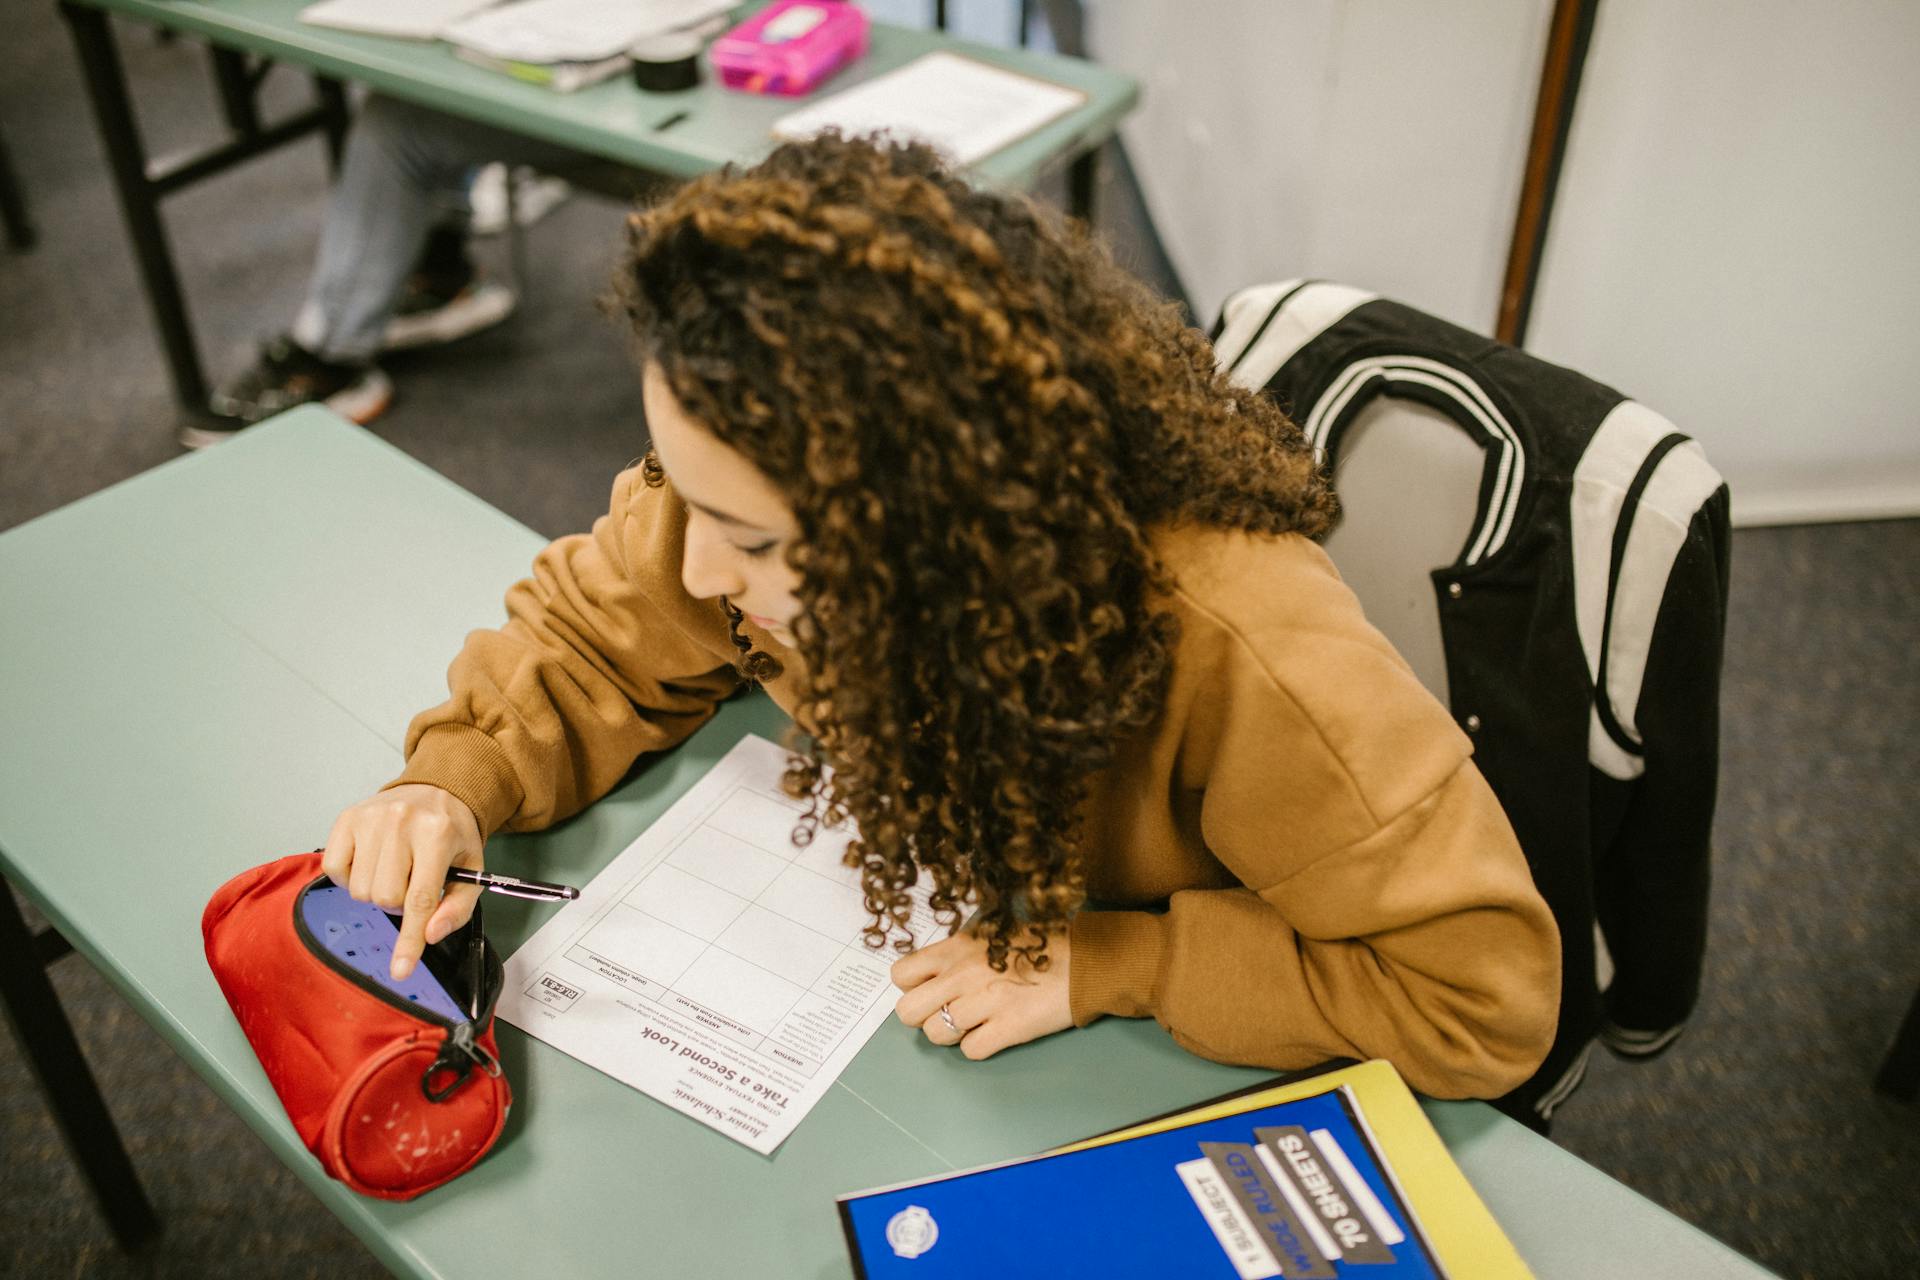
603, 657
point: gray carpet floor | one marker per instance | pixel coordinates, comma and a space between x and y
1760, 1126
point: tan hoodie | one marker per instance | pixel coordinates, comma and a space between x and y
1316, 867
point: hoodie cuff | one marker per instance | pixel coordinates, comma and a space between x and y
461, 759
1115, 964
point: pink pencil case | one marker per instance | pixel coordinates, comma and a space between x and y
791, 46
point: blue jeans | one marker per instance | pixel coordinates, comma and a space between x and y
405, 168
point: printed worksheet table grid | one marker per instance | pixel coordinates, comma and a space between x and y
719, 929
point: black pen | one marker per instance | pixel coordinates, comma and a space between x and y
538, 890
476, 961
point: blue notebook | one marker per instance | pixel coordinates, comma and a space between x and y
1337, 1175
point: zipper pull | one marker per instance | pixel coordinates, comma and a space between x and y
459, 1054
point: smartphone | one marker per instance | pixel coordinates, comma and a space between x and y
361, 936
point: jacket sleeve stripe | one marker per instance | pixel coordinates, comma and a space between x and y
1267, 325
1474, 409
1615, 608
1623, 737
1237, 333
1244, 316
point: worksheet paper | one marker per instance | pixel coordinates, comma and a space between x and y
961, 106
574, 30
713, 964
413, 19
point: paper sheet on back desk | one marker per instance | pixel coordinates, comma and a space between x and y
713, 965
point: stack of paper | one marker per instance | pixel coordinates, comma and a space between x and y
574, 30
963, 107
412, 19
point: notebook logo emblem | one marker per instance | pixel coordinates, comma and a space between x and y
912, 1231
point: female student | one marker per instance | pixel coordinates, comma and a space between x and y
982, 516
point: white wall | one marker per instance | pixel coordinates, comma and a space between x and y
1737, 242
1373, 141
1732, 241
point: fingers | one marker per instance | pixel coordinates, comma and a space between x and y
937, 1032
916, 967
337, 857
369, 837
926, 1006
394, 871
394, 850
921, 1006
967, 1013
412, 879
982, 1026
423, 896
991, 1037
456, 907
454, 910
986, 1011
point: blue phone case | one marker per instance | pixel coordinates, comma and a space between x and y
361, 936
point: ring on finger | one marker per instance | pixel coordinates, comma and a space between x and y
946, 1016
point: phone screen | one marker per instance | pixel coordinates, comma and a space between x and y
361, 935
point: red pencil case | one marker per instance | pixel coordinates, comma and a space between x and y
394, 1099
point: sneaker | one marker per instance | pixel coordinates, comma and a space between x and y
535, 195
285, 375
433, 311
444, 297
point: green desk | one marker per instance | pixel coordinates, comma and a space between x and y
186, 692
613, 120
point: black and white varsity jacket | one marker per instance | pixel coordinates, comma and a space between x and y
1582, 625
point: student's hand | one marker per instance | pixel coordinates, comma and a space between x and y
990, 1010
393, 849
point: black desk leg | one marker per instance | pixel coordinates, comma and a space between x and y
333, 100
1082, 176
47, 1039
1900, 1073
234, 82
107, 87
13, 204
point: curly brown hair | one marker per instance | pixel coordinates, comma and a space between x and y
976, 416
